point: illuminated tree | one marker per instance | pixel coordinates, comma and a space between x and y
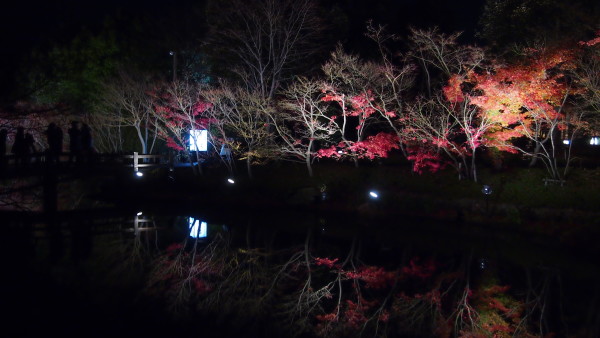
364, 94
127, 103
245, 115
587, 75
303, 122
527, 101
179, 107
444, 120
34, 118
441, 54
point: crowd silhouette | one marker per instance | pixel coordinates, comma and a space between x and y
23, 149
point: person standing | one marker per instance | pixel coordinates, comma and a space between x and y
74, 142
18, 147
3, 139
54, 138
28, 148
87, 146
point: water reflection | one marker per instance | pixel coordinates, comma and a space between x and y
309, 276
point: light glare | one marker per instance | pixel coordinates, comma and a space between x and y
373, 194
197, 229
230, 180
139, 174
198, 140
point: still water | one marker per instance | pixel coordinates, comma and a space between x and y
165, 273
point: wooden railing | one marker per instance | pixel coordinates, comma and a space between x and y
135, 161
149, 161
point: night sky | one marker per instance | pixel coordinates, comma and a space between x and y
25, 25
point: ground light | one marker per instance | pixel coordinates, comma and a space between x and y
230, 180
139, 174
373, 194
486, 190
139, 213
566, 142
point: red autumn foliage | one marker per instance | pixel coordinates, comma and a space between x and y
377, 146
424, 158
330, 263
423, 270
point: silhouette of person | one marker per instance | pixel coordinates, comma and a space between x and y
87, 146
28, 148
74, 142
18, 147
54, 136
3, 138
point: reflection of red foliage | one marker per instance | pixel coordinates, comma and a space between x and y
174, 247
200, 286
330, 263
414, 269
374, 277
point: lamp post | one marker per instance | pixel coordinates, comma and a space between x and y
174, 55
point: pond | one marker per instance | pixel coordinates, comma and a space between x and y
189, 273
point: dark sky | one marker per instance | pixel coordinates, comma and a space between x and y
24, 24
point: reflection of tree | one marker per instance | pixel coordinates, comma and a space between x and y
302, 293
20, 194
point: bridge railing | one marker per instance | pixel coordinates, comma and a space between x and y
135, 160
149, 161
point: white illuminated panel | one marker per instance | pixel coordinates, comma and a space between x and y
198, 140
197, 229
595, 141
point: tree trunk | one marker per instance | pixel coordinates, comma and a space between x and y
249, 166
536, 151
309, 166
473, 168
141, 137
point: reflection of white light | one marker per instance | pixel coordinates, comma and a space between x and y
566, 142
139, 174
230, 180
373, 194
139, 213
197, 228
595, 141
198, 140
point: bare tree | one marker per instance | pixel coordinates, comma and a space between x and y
266, 39
436, 51
368, 92
246, 115
126, 102
303, 121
